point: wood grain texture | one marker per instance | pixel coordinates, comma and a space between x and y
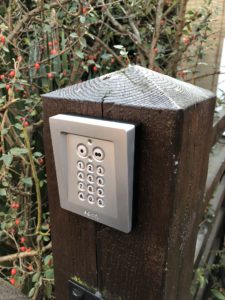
218, 126
154, 261
215, 172
73, 237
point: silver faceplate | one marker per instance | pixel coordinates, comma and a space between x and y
94, 162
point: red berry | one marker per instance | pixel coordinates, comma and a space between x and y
2, 77
23, 249
40, 161
12, 73
12, 281
95, 69
28, 250
15, 205
30, 268
50, 44
13, 271
53, 52
37, 66
84, 10
22, 239
25, 124
7, 86
17, 221
50, 75
156, 50
186, 40
2, 39
55, 42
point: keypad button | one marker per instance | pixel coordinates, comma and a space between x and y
91, 199
80, 165
100, 170
90, 189
100, 192
81, 196
80, 176
101, 202
90, 168
81, 186
82, 150
100, 181
98, 154
90, 178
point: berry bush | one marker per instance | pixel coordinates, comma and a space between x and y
45, 45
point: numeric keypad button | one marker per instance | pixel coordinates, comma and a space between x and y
100, 170
98, 154
80, 165
100, 181
90, 189
82, 150
100, 192
91, 199
90, 168
80, 176
81, 186
81, 196
101, 202
90, 178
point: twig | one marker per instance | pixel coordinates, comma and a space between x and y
20, 255
36, 180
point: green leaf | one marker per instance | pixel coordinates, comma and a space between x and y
18, 151
119, 47
79, 54
5, 49
83, 42
18, 126
37, 154
4, 131
73, 35
47, 259
49, 274
48, 290
27, 181
218, 295
2, 85
82, 19
2, 192
36, 277
31, 292
7, 159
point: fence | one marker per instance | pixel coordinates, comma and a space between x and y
174, 139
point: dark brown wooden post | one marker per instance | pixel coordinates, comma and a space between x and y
155, 260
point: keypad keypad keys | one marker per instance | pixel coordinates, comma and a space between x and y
82, 150
98, 154
80, 165
90, 178
90, 189
91, 199
81, 186
90, 168
81, 176
81, 196
100, 181
101, 202
100, 192
100, 170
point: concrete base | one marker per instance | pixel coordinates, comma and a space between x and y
8, 292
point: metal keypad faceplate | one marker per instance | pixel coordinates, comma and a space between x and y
94, 162
91, 180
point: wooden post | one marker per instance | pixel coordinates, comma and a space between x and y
155, 260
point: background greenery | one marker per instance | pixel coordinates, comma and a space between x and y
45, 45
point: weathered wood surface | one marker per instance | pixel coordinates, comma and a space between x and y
215, 171
155, 260
218, 125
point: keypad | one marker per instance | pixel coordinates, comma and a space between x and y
90, 174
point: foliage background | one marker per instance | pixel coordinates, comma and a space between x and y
45, 45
